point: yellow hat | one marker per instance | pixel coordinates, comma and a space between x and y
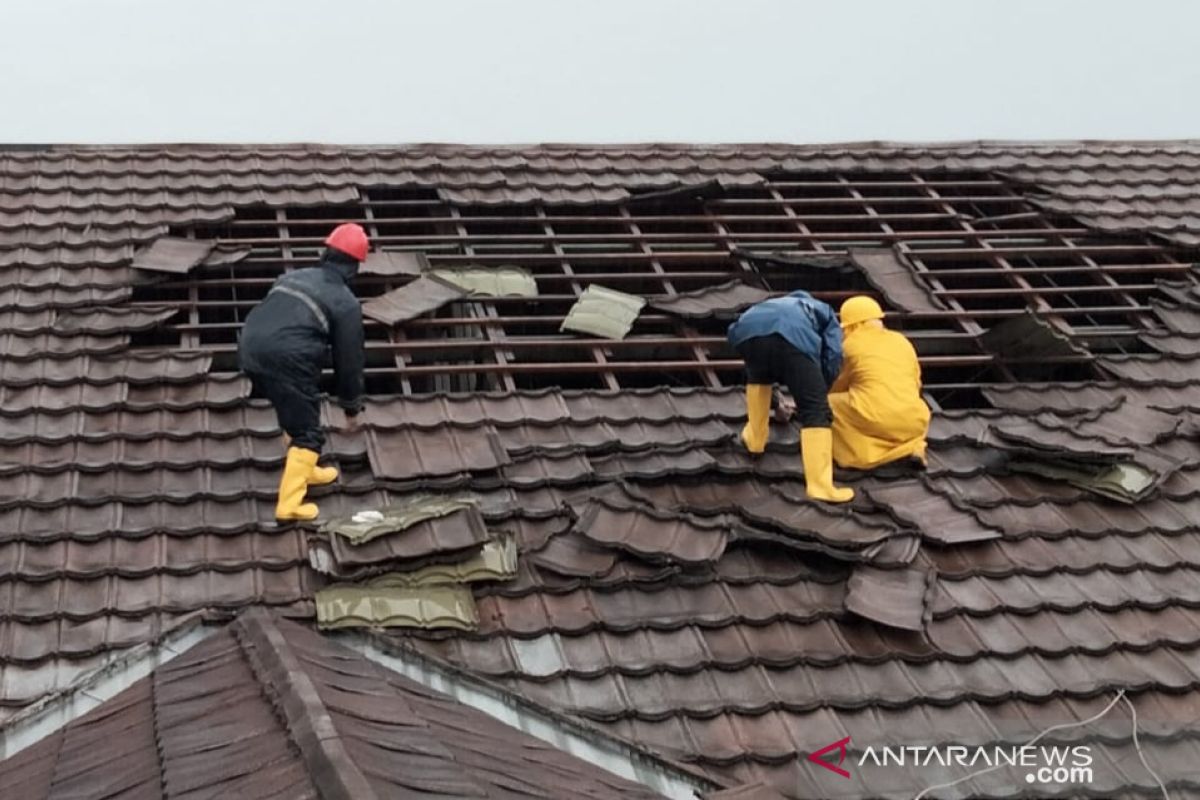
859, 308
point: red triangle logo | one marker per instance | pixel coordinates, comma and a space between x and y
840, 746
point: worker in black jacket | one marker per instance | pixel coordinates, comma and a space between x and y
307, 313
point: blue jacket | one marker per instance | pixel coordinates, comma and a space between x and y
808, 324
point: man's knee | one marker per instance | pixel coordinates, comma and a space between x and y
814, 414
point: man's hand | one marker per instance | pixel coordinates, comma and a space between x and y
352, 422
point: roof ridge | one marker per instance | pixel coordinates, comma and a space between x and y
308, 722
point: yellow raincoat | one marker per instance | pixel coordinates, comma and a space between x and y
878, 413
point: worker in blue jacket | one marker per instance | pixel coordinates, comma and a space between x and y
797, 341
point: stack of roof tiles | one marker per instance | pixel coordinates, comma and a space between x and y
670, 588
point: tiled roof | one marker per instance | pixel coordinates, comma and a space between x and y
264, 708
669, 588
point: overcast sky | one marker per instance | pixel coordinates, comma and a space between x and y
374, 71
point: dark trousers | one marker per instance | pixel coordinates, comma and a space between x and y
290, 383
772, 359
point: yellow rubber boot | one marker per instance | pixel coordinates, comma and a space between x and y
322, 475
816, 448
758, 410
294, 484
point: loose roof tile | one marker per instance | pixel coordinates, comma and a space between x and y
495, 561
459, 531
172, 254
889, 271
352, 606
603, 312
393, 262
427, 293
721, 300
1028, 336
891, 597
368, 524
915, 504
492, 281
654, 535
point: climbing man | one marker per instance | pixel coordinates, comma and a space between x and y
878, 413
793, 340
306, 314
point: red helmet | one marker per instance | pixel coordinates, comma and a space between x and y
351, 239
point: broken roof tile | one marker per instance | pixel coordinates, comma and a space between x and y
889, 271
654, 534
602, 312
721, 300
893, 597
172, 254
433, 607
427, 293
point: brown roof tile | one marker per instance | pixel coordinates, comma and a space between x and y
890, 597
713, 301
889, 271
425, 294
410, 453
172, 254
456, 533
654, 535
142, 487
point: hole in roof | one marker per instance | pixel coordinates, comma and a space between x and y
971, 235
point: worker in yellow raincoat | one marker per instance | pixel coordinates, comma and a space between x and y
878, 413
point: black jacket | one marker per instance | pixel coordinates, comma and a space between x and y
307, 313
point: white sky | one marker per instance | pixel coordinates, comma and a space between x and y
375, 71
